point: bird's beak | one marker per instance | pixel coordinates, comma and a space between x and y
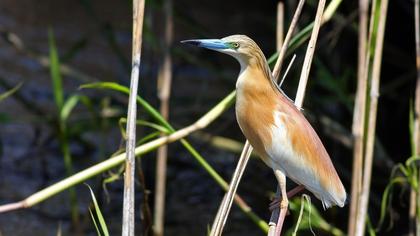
213, 44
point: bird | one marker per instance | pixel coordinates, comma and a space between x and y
277, 130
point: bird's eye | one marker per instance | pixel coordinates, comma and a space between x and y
235, 45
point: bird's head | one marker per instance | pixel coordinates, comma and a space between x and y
241, 47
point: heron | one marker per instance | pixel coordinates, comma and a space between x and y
276, 129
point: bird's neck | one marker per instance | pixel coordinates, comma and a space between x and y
255, 72
252, 77
256, 101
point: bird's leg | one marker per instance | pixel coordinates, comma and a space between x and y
274, 214
281, 178
275, 203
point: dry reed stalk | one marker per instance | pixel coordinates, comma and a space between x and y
280, 26
412, 213
358, 116
359, 125
128, 204
164, 91
282, 53
304, 75
373, 104
414, 216
223, 211
224, 208
300, 95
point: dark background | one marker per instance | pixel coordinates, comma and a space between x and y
95, 37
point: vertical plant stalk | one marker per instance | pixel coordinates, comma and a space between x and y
304, 75
300, 95
280, 26
373, 104
364, 114
358, 116
128, 205
223, 211
285, 45
58, 90
164, 89
414, 212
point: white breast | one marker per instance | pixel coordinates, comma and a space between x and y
284, 158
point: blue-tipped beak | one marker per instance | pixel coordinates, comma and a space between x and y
214, 44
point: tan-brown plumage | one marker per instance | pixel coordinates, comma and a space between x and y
276, 129
257, 101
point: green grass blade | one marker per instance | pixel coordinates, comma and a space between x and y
68, 106
149, 137
411, 129
98, 212
369, 227
58, 93
385, 199
55, 71
98, 232
120, 88
10, 92
411, 161
152, 125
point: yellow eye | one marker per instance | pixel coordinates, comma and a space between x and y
235, 45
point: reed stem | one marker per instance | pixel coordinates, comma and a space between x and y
128, 223
164, 89
373, 104
358, 116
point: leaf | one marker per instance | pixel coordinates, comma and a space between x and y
149, 137
68, 107
55, 71
160, 128
411, 128
106, 85
98, 214
369, 227
10, 92
120, 88
387, 195
98, 232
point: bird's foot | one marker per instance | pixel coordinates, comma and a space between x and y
284, 204
277, 200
